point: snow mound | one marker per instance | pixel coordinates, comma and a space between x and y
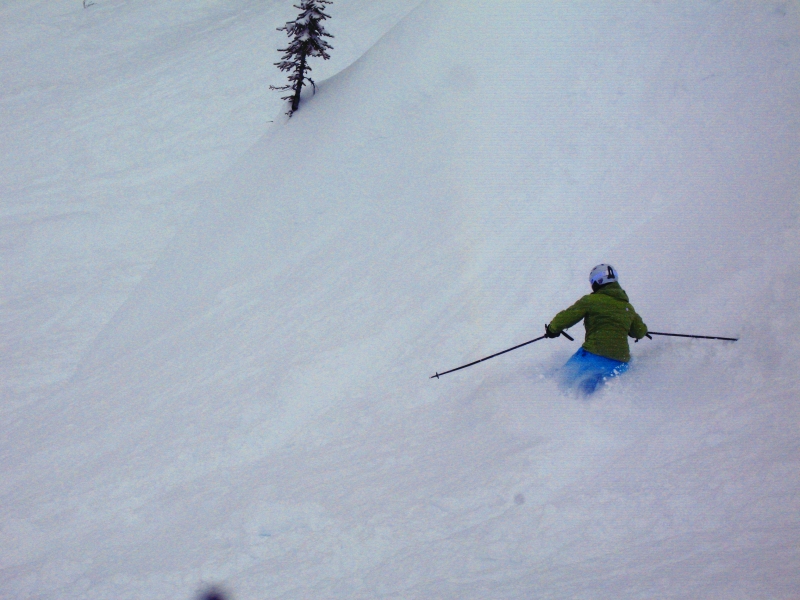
259, 411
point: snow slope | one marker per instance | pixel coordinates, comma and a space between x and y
113, 120
258, 411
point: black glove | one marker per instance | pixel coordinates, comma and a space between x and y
548, 333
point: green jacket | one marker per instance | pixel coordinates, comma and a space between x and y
608, 318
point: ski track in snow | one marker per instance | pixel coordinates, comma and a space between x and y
218, 332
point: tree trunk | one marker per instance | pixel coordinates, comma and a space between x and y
298, 85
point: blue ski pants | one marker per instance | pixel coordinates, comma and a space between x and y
585, 371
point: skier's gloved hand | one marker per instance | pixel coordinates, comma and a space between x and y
549, 333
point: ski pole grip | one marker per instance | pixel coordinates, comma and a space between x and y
568, 336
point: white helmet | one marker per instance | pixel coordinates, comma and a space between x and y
603, 274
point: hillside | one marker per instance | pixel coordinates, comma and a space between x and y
245, 398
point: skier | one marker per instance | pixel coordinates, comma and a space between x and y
608, 318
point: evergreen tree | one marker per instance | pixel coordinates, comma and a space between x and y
306, 33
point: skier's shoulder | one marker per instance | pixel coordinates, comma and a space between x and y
586, 300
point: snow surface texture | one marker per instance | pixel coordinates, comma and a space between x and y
239, 394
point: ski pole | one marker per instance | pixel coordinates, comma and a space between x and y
566, 335
703, 337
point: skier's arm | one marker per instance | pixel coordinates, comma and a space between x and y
567, 318
638, 329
